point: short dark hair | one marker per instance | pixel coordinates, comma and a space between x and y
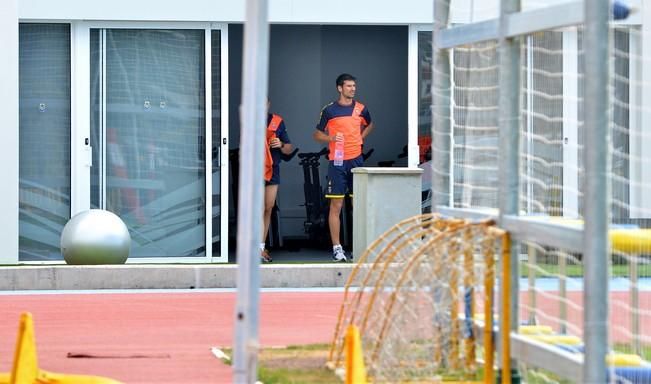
343, 77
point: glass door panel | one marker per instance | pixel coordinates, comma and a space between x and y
44, 118
148, 134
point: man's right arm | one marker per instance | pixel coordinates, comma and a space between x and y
321, 136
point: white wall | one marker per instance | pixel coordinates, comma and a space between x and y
9, 131
281, 11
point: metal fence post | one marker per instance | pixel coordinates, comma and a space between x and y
253, 116
509, 158
596, 158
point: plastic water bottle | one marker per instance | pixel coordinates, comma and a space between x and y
339, 151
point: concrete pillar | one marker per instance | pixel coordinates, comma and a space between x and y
9, 131
383, 197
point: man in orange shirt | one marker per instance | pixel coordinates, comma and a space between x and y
349, 121
277, 143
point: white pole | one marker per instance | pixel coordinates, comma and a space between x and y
253, 118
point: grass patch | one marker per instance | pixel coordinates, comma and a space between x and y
294, 364
574, 270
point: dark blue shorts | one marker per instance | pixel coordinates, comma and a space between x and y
275, 176
340, 178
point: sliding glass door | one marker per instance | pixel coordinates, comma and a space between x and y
156, 145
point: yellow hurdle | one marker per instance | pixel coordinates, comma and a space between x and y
556, 339
535, 330
25, 369
628, 240
624, 360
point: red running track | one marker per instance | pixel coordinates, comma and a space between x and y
182, 325
185, 326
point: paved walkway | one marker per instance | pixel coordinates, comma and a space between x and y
172, 332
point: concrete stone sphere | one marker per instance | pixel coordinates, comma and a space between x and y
95, 237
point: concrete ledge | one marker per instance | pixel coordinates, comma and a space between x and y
388, 170
68, 277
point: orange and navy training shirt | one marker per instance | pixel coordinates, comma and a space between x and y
350, 120
275, 128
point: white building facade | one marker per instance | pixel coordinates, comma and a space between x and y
131, 107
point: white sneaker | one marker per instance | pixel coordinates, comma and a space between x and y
338, 255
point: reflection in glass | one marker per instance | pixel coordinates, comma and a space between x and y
424, 95
425, 116
44, 147
96, 79
153, 135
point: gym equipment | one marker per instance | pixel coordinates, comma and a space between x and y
95, 236
391, 163
274, 237
317, 206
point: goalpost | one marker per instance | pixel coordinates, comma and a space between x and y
542, 103
539, 122
422, 296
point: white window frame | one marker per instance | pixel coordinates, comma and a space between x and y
412, 110
412, 92
570, 124
223, 147
639, 119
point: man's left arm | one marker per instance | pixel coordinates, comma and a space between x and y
286, 148
286, 144
366, 115
367, 130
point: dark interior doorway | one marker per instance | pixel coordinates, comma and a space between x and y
304, 63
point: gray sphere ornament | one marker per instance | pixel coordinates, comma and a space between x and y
95, 236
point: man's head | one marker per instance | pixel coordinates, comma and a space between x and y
346, 85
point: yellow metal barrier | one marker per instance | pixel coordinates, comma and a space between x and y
506, 309
355, 369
